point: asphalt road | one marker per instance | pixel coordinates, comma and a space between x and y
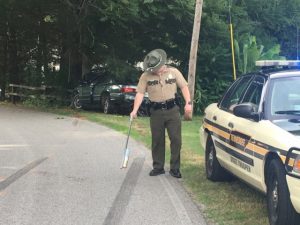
61, 170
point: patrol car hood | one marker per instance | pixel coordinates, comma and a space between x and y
290, 125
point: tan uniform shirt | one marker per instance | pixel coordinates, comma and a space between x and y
161, 87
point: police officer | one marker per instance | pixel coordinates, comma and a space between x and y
161, 83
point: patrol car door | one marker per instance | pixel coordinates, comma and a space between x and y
244, 159
222, 120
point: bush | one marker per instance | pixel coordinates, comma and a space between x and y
208, 92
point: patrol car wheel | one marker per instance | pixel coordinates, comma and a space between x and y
280, 208
214, 171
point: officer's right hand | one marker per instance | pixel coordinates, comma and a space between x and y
133, 114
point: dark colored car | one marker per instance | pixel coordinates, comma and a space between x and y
100, 90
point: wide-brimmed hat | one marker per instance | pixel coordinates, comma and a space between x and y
154, 60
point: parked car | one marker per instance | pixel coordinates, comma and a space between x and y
253, 133
98, 89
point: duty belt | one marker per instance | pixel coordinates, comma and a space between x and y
169, 104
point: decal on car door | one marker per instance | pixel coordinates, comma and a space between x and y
243, 142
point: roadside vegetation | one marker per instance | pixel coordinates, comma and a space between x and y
224, 203
53, 43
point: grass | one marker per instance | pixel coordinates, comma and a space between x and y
228, 203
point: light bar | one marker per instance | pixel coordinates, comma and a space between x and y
269, 63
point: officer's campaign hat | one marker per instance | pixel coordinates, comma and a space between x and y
154, 60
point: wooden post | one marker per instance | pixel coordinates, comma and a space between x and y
193, 53
232, 44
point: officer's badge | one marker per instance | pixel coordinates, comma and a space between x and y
170, 79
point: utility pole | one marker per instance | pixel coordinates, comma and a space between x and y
193, 53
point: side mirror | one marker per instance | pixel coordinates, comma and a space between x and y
246, 110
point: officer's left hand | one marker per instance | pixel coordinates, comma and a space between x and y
188, 108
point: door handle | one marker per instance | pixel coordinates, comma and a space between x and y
215, 118
230, 125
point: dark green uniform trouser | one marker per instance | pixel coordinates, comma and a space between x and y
159, 121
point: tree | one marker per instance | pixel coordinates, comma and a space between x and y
276, 22
251, 52
116, 34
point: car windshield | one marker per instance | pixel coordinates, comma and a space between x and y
285, 96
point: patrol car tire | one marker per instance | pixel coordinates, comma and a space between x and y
214, 171
280, 208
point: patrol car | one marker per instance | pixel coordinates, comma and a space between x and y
253, 133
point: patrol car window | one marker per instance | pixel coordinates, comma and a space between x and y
253, 93
285, 97
234, 94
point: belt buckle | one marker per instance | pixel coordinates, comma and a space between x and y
164, 106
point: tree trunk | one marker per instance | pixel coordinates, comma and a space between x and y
44, 52
36, 79
3, 74
193, 53
13, 69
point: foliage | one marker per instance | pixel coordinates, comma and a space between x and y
208, 92
276, 21
54, 42
251, 52
38, 102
